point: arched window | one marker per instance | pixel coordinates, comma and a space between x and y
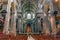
28, 16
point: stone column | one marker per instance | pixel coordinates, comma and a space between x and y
45, 29
19, 5
13, 29
6, 24
20, 26
53, 25
39, 28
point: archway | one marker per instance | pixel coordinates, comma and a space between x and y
29, 28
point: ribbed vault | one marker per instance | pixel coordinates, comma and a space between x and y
29, 6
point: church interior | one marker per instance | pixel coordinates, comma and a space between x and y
30, 19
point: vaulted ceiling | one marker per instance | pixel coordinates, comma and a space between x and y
29, 6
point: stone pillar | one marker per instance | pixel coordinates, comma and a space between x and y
6, 24
40, 5
25, 27
45, 29
32, 27
39, 25
13, 29
20, 25
53, 25
19, 5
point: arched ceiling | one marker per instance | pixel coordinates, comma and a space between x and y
29, 6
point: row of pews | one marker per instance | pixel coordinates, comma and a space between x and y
46, 37
11, 37
25, 37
